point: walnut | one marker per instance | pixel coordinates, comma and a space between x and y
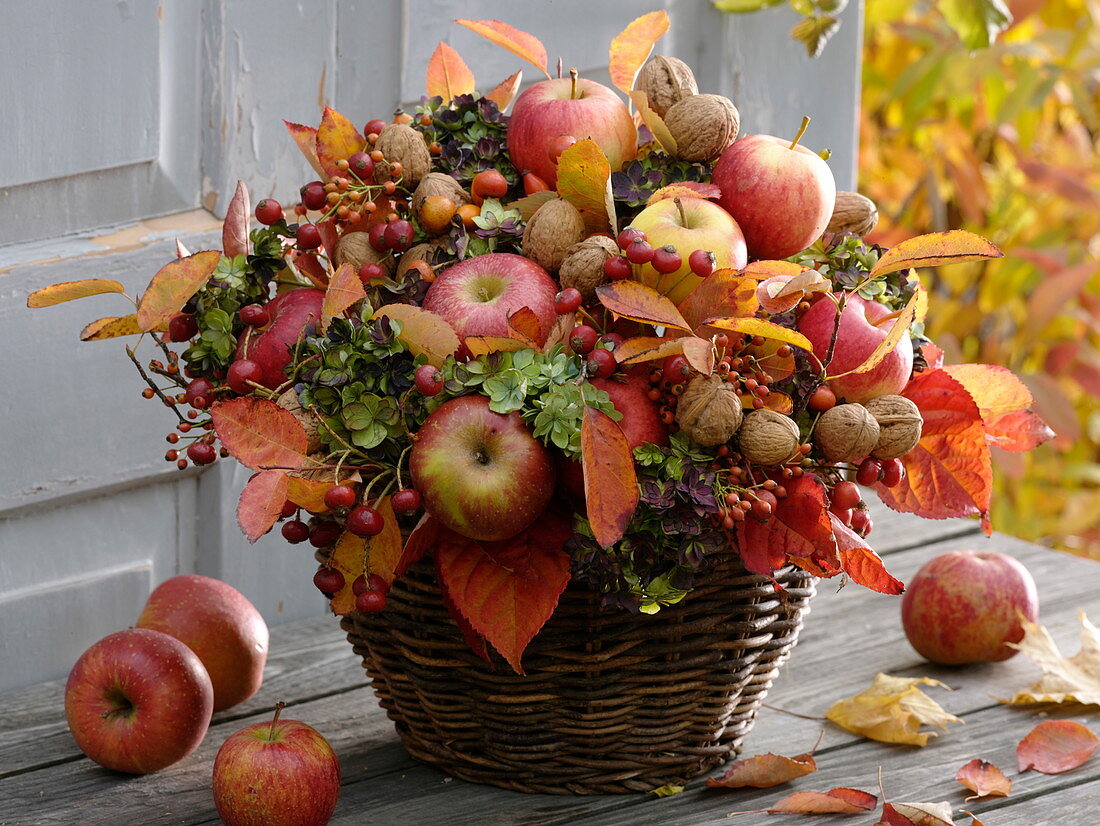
400, 143
437, 183
709, 410
846, 433
767, 437
665, 81
582, 266
703, 126
307, 418
553, 229
853, 213
899, 423
354, 248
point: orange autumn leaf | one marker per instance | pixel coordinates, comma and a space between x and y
505, 92
724, 293
307, 264
448, 75
917, 814
1056, 746
763, 270
631, 48
71, 290
261, 503
305, 138
762, 327
973, 818
520, 43
235, 226
483, 345
260, 434
111, 327
647, 348
173, 286
859, 562
900, 327
699, 354
308, 493
635, 301
657, 126
337, 140
934, 249
383, 551
799, 528
584, 180
344, 290
1005, 404
610, 483
685, 189
764, 771
841, 801
423, 331
349, 558
984, 779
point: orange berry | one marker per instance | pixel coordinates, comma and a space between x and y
396, 169
467, 212
488, 183
389, 187
435, 147
342, 164
436, 213
377, 156
402, 117
425, 119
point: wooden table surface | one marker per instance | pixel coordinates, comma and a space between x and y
849, 636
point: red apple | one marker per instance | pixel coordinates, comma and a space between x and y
476, 296
963, 606
584, 109
138, 701
278, 773
781, 194
220, 625
688, 224
863, 326
271, 346
481, 474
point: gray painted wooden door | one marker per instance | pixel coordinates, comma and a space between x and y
128, 110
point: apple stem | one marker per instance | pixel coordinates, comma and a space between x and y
573, 83
801, 131
279, 706
680, 209
559, 67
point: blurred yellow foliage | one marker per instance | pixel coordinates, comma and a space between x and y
1004, 142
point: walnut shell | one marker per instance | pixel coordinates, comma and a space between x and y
899, 423
552, 230
767, 437
709, 410
853, 213
354, 248
846, 433
703, 126
582, 266
665, 81
437, 183
400, 143
307, 418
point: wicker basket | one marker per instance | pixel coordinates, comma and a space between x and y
611, 702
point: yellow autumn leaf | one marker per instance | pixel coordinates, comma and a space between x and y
892, 710
1073, 679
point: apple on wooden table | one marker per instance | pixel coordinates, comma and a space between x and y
138, 701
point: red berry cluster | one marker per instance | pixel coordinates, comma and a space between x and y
636, 250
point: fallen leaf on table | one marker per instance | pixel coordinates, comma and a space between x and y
1073, 679
974, 818
667, 790
764, 771
1056, 746
916, 814
892, 710
834, 802
984, 779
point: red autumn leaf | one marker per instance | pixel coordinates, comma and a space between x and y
337, 140
917, 814
610, 484
173, 285
344, 290
235, 225
631, 48
473, 639
840, 801
349, 558
584, 180
1005, 404
724, 293
423, 331
305, 137
308, 493
638, 302
505, 92
307, 264
525, 327
111, 327
948, 473
933, 355
448, 75
70, 290
1056, 746
656, 125
260, 434
934, 249
798, 528
863, 565
261, 503
330, 237
764, 771
422, 538
984, 779
506, 590
520, 43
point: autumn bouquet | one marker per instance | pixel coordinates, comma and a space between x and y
596, 342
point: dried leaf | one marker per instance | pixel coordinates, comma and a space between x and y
667, 790
892, 710
111, 327
935, 249
423, 331
699, 354
761, 327
173, 286
635, 301
917, 814
973, 818
631, 48
344, 290
584, 180
70, 290
337, 140
863, 565
305, 137
902, 322
448, 75
261, 503
235, 225
610, 483
260, 434
530, 204
520, 43
181, 250
1005, 404
798, 528
349, 558
724, 293
984, 779
505, 92
806, 283
1056, 746
764, 771
1073, 679
840, 801
657, 126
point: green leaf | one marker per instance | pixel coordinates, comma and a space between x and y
744, 6
814, 32
976, 22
